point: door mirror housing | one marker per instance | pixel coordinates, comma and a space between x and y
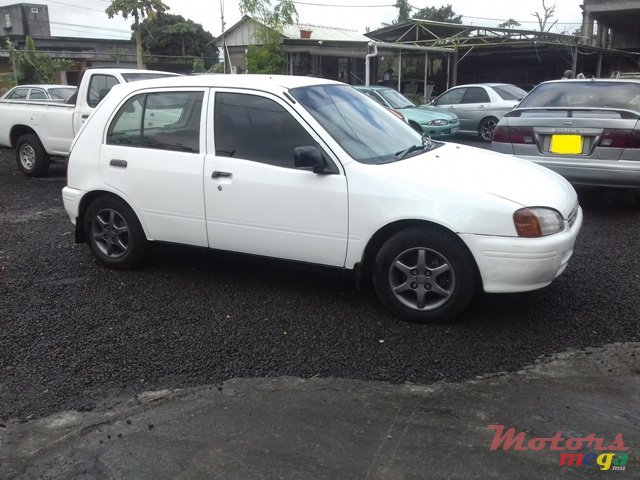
311, 157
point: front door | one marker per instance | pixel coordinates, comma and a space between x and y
256, 200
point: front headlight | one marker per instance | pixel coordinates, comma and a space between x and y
535, 222
438, 123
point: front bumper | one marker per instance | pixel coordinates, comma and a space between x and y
441, 131
514, 264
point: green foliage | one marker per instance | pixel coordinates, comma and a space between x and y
276, 17
511, 23
35, 67
441, 14
267, 58
197, 66
404, 10
138, 9
166, 34
267, 55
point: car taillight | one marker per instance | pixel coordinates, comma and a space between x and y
620, 138
513, 135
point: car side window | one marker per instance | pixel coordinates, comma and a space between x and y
453, 97
18, 94
475, 95
38, 94
161, 120
255, 128
99, 86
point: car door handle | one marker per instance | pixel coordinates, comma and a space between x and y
217, 174
85, 116
118, 163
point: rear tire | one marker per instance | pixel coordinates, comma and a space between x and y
31, 156
425, 275
114, 233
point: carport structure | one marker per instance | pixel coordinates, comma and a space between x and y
522, 57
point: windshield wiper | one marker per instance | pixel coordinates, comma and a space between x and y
427, 144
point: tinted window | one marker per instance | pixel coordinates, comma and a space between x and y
134, 77
452, 97
585, 95
99, 87
395, 99
38, 94
509, 92
18, 94
475, 95
62, 93
163, 120
257, 128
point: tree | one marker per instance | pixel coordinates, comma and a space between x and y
266, 56
173, 35
543, 18
404, 10
441, 14
35, 67
138, 9
511, 23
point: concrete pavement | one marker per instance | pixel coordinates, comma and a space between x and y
288, 428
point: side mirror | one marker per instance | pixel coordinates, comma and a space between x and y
310, 157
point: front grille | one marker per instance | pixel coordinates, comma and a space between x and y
572, 217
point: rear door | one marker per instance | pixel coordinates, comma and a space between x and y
154, 155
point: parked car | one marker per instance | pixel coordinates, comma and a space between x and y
310, 170
480, 106
435, 122
586, 130
40, 93
42, 132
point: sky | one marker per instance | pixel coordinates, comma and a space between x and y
86, 18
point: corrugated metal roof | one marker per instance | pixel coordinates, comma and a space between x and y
325, 33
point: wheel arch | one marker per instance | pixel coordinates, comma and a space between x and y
365, 269
80, 234
18, 131
487, 117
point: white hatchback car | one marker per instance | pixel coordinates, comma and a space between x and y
310, 170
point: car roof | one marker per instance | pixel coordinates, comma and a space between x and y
269, 83
46, 86
374, 87
595, 80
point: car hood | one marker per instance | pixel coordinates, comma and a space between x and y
468, 169
433, 112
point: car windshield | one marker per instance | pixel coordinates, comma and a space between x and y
366, 131
62, 93
510, 92
587, 94
395, 98
134, 77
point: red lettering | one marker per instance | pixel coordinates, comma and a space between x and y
555, 442
617, 444
508, 440
571, 459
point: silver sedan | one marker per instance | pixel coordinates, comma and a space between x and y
586, 130
480, 106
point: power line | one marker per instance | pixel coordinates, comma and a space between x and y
342, 5
76, 6
91, 27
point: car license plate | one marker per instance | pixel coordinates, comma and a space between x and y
566, 144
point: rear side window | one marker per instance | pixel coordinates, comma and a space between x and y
509, 92
37, 94
99, 86
588, 94
257, 128
161, 120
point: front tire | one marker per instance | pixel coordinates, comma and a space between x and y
425, 275
486, 128
114, 233
31, 157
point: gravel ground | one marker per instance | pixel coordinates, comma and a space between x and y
75, 335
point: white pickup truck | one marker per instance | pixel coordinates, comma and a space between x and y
42, 131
